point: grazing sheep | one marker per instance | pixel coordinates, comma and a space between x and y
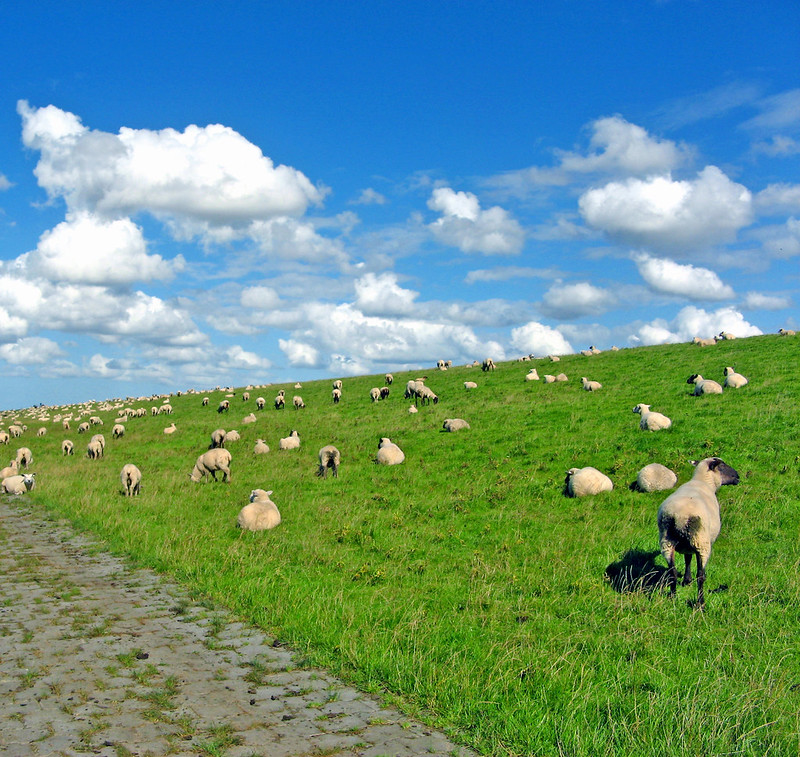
171, 429
297, 401
96, 420
249, 418
67, 447
245, 396
290, 442
83, 428
786, 332
224, 406
165, 409
441, 365
205, 401
470, 385
131, 478
337, 384
427, 396
65, 425
704, 342
532, 375
329, 457
584, 482
488, 365
217, 438
260, 403
384, 392
734, 380
232, 436
19, 484
375, 394
10, 470
280, 402
16, 431
94, 450
703, 386
101, 439
209, 463
24, 458
654, 478
118, 430
260, 514
590, 386
689, 521
388, 378
4, 437
260, 448
454, 424
389, 453
41, 432
337, 395
651, 421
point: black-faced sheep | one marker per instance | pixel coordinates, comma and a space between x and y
131, 478
337, 384
388, 378
260, 514
703, 386
488, 365
10, 470
786, 332
260, 403
94, 450
337, 395
584, 482
209, 463
389, 453
224, 406
689, 521
280, 402
67, 447
118, 430
217, 438
19, 484
329, 457
290, 442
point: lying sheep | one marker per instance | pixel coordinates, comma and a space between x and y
724, 335
131, 478
260, 514
532, 375
590, 386
584, 482
689, 521
217, 438
260, 447
454, 424
297, 401
413, 409
734, 380
94, 450
290, 442
118, 430
10, 470
654, 478
171, 429
232, 436
389, 453
19, 484
562, 377
704, 342
703, 386
470, 385
249, 418
786, 332
329, 457
554, 358
24, 458
209, 463
67, 447
651, 421
549, 378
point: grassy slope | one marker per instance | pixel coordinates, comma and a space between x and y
463, 582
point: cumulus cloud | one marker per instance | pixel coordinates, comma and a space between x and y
465, 225
690, 281
11, 325
300, 353
259, 297
537, 339
663, 213
239, 358
692, 321
30, 350
380, 294
566, 301
779, 198
761, 301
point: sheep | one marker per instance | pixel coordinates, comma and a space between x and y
297, 401
583, 482
118, 430
427, 396
786, 332
224, 406
594, 350
689, 521
19, 484
209, 463
94, 450
12, 469
65, 425
389, 453
384, 392
260, 447
217, 438
488, 365
41, 431
96, 420
298, 385
549, 378
562, 377
171, 429
260, 403
245, 396
413, 409
337, 395
554, 358
654, 478
590, 386
703, 386
329, 457
441, 365
280, 402
454, 424
83, 428
651, 421
470, 385
4, 437
586, 353
249, 418
205, 401
388, 378
24, 457
700, 342
375, 394
290, 442
166, 409
232, 436
413, 389
260, 514
724, 335
101, 439
337, 384
153, 411
67, 447
734, 380
532, 375
131, 478
16, 431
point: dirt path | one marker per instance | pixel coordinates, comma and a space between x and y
96, 658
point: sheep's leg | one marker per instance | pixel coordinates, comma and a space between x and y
687, 574
335, 471
701, 579
226, 475
672, 575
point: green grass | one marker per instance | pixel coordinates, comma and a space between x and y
463, 585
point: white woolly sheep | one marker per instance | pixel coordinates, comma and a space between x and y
24, 458
470, 385
67, 447
96, 420
12, 469
65, 425
329, 457
724, 335
562, 377
260, 403
654, 478
786, 332
703, 386
651, 421
101, 439
232, 436
586, 353
554, 358
224, 406
734, 380
165, 409
297, 401
427, 395
19, 484
217, 438
337, 395
290, 442
375, 394
260, 514
16, 431
94, 450
118, 430
704, 342
549, 378
337, 384
413, 409
83, 428
41, 431
590, 386
388, 378
260, 447
389, 453
584, 482
131, 478
249, 418
532, 375
205, 401
4, 437
209, 463
245, 396
280, 402
171, 429
488, 365
454, 424
689, 521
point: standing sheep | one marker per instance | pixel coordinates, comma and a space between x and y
209, 463
260, 403
389, 453
584, 482
118, 430
654, 478
329, 457
689, 521
24, 458
224, 406
297, 401
280, 402
131, 478
94, 450
388, 378
260, 514
337, 384
217, 438
703, 386
67, 447
488, 365
651, 421
337, 395
375, 394
734, 380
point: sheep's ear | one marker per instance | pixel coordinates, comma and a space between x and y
714, 463
694, 462
269, 493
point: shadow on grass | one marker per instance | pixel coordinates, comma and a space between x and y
636, 571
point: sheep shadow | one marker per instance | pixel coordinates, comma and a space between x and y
636, 571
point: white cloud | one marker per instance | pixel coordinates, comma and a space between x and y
781, 111
465, 225
779, 198
761, 301
505, 273
292, 239
30, 350
369, 196
300, 354
259, 297
690, 281
4, 183
778, 146
676, 215
692, 321
566, 301
11, 325
239, 358
382, 295
537, 339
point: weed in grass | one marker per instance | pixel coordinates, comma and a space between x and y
220, 739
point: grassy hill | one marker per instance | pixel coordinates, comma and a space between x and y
463, 584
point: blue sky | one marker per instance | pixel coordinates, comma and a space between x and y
200, 194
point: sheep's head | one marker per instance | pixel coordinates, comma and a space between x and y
717, 471
641, 408
694, 378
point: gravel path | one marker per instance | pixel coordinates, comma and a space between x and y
97, 658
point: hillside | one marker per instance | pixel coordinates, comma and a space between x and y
463, 584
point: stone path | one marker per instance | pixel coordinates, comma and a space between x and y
97, 658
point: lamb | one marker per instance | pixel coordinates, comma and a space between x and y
260, 448
689, 521
454, 424
67, 447
470, 385
24, 457
584, 482
209, 463
337, 395
260, 514
94, 450
532, 375
297, 401
217, 438
389, 453
734, 380
131, 478
249, 418
651, 421
703, 386
260, 403
290, 442
413, 409
118, 430
654, 478
19, 484
704, 342
171, 429
329, 457
591, 386
232, 436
